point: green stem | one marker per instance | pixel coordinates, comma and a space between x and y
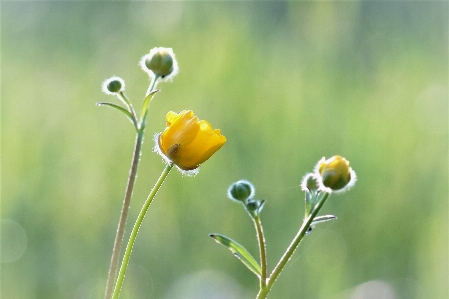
123, 215
128, 193
122, 96
151, 88
262, 249
132, 237
263, 292
152, 85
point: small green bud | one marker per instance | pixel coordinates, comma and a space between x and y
113, 85
309, 182
254, 207
334, 174
160, 62
241, 190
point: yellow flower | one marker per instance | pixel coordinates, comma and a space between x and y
334, 174
187, 141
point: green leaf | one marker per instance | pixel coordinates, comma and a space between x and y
321, 219
121, 109
240, 252
146, 104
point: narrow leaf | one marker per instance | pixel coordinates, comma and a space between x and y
321, 219
240, 252
121, 109
146, 104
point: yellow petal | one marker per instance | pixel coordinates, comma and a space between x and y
206, 143
181, 128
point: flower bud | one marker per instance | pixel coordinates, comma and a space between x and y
334, 174
309, 182
254, 207
160, 62
241, 190
113, 85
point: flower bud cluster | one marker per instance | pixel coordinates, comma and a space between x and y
243, 191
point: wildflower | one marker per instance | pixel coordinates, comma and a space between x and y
160, 62
334, 174
241, 190
187, 141
113, 85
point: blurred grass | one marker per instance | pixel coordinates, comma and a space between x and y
287, 83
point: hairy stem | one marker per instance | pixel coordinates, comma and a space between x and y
152, 85
128, 193
123, 215
263, 292
262, 250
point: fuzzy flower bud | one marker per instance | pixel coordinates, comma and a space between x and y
254, 207
334, 174
160, 62
241, 190
113, 85
309, 182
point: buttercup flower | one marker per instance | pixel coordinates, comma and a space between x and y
187, 141
334, 174
160, 62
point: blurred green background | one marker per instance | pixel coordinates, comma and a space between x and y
287, 83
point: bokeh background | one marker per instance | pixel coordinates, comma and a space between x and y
287, 83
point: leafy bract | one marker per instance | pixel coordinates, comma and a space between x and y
240, 252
